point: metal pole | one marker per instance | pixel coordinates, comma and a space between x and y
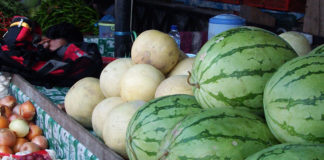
122, 28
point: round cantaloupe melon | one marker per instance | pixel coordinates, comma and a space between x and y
81, 99
155, 48
115, 126
174, 85
182, 56
101, 111
111, 75
297, 41
140, 82
183, 67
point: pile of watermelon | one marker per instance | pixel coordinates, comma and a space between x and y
254, 98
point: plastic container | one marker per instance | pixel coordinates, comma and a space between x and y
223, 22
107, 27
174, 33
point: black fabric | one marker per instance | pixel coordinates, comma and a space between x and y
87, 66
32, 54
66, 31
10, 38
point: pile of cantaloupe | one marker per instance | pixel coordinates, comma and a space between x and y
157, 67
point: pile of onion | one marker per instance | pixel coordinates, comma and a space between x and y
18, 132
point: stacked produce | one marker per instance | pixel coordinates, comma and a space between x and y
126, 84
293, 101
247, 95
290, 151
233, 67
18, 132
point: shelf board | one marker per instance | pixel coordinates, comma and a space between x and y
183, 7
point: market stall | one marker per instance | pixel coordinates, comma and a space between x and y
230, 86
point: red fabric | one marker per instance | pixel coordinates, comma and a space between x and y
5, 48
40, 64
73, 52
42, 154
24, 35
191, 42
18, 59
57, 72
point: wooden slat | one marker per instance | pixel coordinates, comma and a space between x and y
256, 16
321, 16
312, 18
92, 143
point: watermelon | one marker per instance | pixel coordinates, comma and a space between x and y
219, 133
294, 101
318, 50
290, 152
150, 124
232, 68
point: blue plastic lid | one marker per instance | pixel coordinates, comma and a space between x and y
107, 18
227, 19
174, 27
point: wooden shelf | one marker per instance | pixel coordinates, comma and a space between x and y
182, 7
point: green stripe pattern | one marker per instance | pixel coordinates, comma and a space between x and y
294, 100
219, 133
233, 67
290, 152
150, 124
318, 50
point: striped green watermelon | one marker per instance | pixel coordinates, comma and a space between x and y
294, 101
290, 152
150, 124
219, 133
232, 68
318, 50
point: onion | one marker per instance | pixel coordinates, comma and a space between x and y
16, 109
5, 111
29, 146
27, 110
4, 122
7, 137
6, 149
20, 127
14, 116
41, 141
19, 143
34, 131
9, 101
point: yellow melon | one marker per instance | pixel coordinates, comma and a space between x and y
115, 126
155, 48
140, 82
111, 75
82, 98
101, 111
297, 41
183, 67
174, 85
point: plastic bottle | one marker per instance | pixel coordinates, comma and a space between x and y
174, 33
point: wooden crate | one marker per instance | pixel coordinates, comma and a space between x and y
314, 18
82, 135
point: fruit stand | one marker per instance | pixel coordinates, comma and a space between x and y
248, 93
66, 137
